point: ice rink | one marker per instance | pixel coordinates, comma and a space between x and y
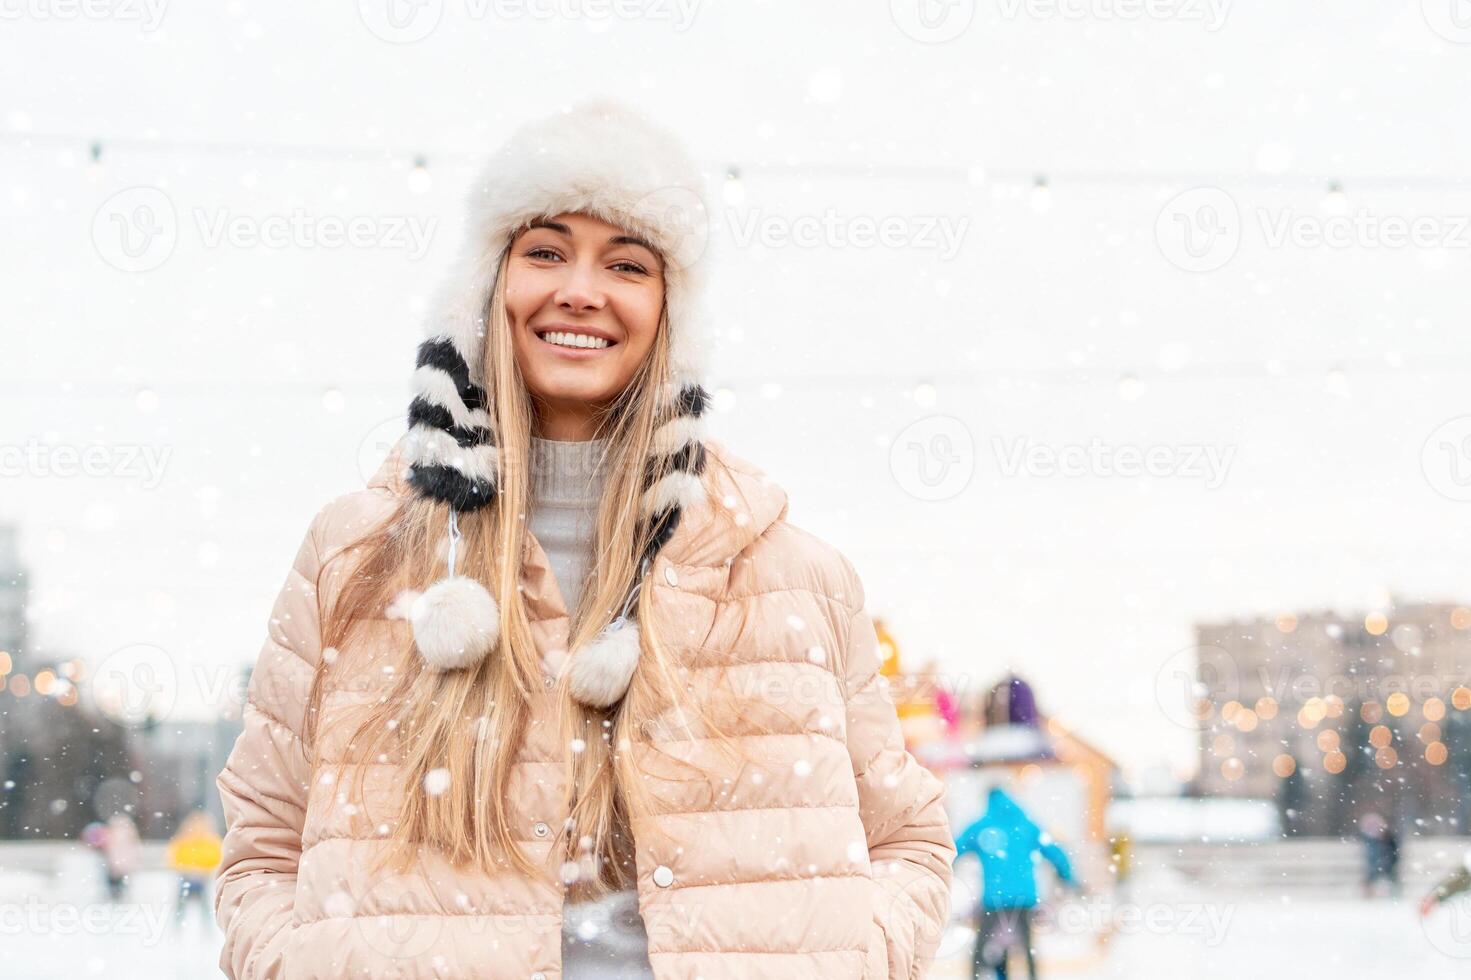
59, 927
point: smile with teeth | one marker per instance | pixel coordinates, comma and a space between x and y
565, 339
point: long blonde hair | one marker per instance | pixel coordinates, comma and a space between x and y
470, 723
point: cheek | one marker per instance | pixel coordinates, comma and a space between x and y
640, 316
520, 302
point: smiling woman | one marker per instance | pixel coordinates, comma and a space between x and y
584, 301
678, 760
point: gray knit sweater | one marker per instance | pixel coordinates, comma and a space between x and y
605, 938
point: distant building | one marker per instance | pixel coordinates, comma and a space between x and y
13, 592
179, 761
1335, 716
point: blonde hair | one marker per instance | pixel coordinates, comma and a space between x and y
471, 722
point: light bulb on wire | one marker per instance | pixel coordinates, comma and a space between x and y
419, 179
733, 191
1041, 195
1335, 201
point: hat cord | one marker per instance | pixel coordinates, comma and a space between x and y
454, 539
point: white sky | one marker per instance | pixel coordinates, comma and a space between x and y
1086, 584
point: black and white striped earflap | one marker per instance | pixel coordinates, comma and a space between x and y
452, 448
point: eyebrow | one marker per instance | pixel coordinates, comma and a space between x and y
615, 240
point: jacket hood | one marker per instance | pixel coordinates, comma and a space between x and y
1001, 808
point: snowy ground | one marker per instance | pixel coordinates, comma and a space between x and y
1165, 930
60, 927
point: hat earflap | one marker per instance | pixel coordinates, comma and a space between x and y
455, 621
602, 670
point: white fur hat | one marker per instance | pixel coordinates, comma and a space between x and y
599, 158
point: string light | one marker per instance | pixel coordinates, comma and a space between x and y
969, 174
733, 191
1335, 201
1041, 195
419, 179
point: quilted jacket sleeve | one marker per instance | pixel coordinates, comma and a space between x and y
264, 783
901, 803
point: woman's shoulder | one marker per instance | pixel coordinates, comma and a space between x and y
799, 557
784, 554
348, 517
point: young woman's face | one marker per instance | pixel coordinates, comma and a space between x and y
584, 299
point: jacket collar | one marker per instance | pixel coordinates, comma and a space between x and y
752, 499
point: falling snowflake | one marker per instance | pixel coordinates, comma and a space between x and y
436, 781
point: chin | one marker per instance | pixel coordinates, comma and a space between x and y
552, 387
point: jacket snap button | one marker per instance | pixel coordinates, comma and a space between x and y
669, 575
550, 680
541, 829
663, 877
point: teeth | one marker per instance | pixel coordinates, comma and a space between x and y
563, 339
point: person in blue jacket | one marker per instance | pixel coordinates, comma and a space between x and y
1007, 842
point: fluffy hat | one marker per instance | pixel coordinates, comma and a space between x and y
603, 159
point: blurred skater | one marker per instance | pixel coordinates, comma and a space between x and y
1456, 883
1381, 853
119, 854
1007, 842
194, 852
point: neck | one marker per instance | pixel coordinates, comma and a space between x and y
567, 471
567, 422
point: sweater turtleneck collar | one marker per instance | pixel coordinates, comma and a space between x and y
568, 472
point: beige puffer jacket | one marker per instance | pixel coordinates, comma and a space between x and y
829, 858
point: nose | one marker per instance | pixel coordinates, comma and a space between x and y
580, 289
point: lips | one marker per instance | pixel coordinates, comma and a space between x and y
575, 341
585, 329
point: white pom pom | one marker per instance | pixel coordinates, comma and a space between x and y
402, 605
600, 672
456, 623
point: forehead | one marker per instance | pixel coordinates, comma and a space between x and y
577, 224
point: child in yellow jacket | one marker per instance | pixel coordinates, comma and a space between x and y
194, 852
